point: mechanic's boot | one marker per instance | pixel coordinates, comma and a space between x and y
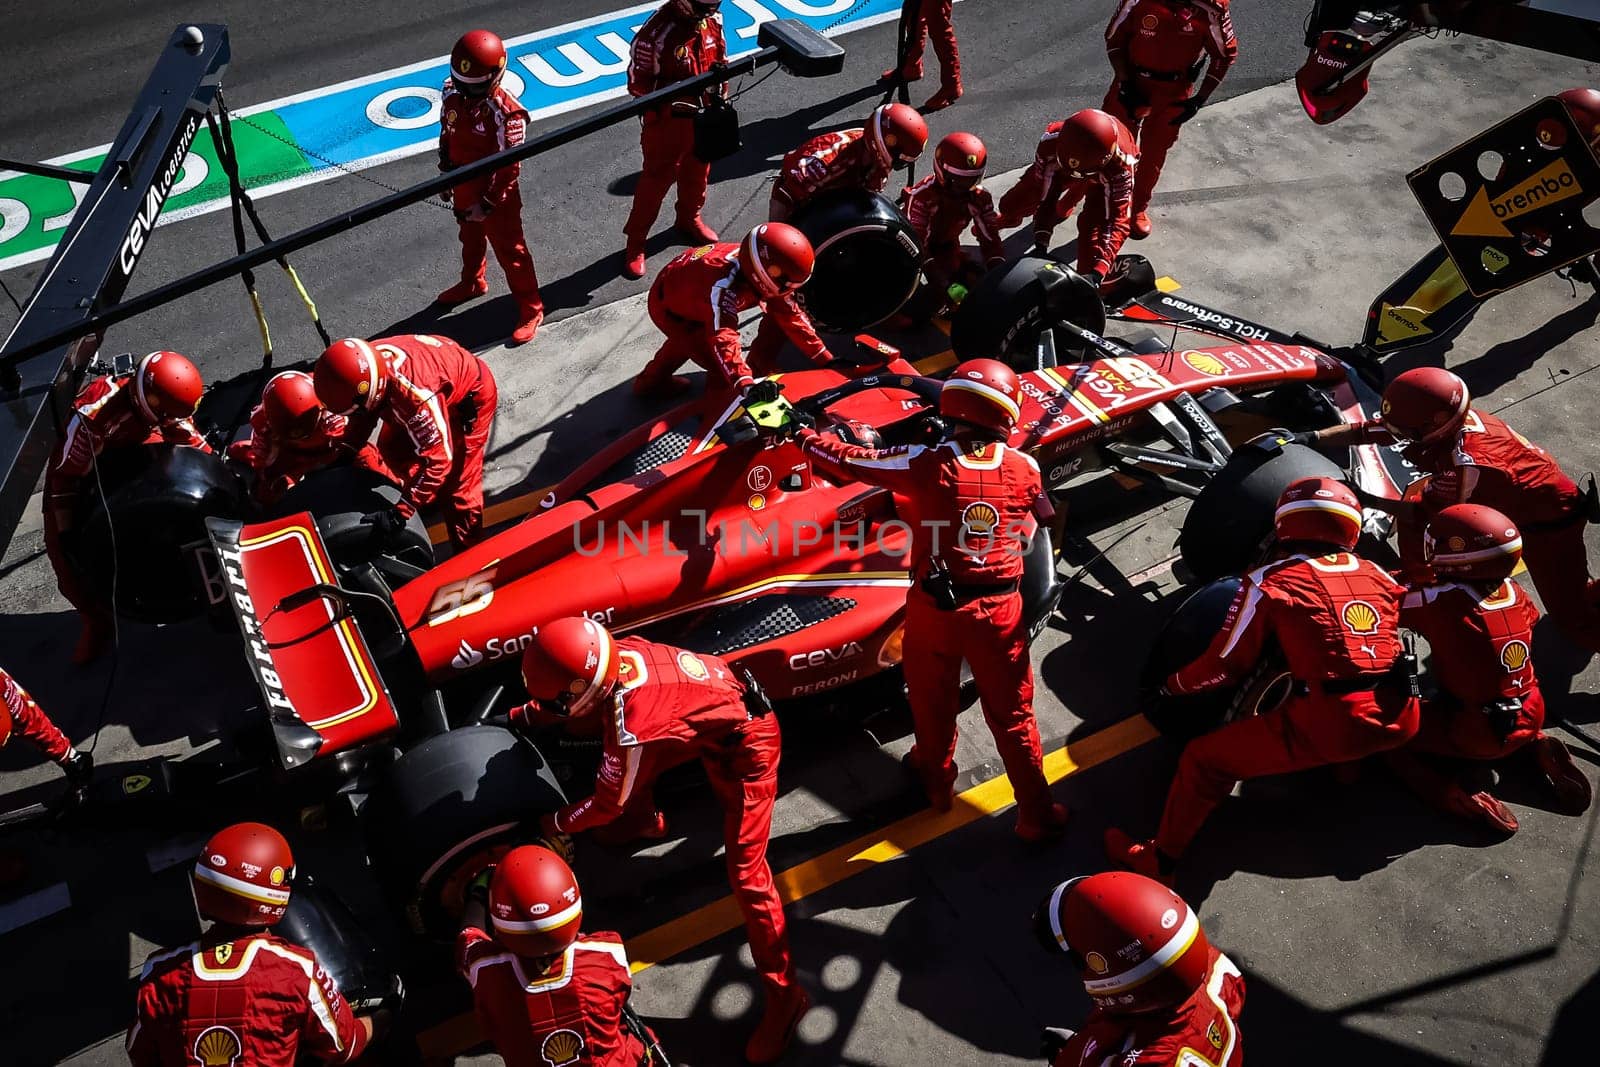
1571, 786
941, 795
942, 99
1140, 857
1141, 225
907, 74
1039, 826
461, 292
528, 321
646, 826
633, 261
659, 386
1482, 808
94, 639
778, 1023
696, 232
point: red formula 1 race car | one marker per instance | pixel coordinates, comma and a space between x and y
380, 677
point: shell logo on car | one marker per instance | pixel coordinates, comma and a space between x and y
1205, 363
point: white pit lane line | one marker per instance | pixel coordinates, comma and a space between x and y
35, 907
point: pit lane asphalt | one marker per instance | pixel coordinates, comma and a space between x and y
1368, 928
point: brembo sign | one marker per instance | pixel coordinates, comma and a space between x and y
316, 135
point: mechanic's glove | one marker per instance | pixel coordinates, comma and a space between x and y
799, 422
1187, 110
1302, 437
1053, 1040
448, 197
478, 888
556, 839
1094, 278
79, 767
763, 392
386, 523
1130, 96
477, 212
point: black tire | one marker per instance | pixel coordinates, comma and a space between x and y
320, 920
447, 808
1232, 517
1181, 641
868, 260
1004, 316
156, 501
339, 497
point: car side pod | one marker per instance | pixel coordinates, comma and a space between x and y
802, 51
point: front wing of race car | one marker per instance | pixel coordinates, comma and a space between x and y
322, 688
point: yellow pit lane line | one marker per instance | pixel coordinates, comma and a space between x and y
657, 945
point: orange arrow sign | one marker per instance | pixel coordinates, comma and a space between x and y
1487, 216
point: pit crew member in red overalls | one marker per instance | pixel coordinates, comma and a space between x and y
291, 435
696, 301
1336, 618
663, 706
436, 402
241, 995
155, 403
21, 716
1091, 157
973, 505
479, 118
681, 40
1473, 457
544, 992
1162, 995
1157, 48
861, 158
932, 17
1479, 625
941, 206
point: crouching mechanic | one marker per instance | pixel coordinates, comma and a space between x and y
862, 158
696, 301
478, 117
941, 206
544, 992
291, 435
1162, 995
154, 404
1336, 618
1091, 157
662, 706
973, 506
436, 402
240, 994
1473, 457
1479, 625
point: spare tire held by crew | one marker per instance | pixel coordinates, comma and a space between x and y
868, 260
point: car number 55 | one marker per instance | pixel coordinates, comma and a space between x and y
455, 599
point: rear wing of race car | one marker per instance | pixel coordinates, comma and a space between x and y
321, 685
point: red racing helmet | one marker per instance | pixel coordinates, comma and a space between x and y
1087, 140
776, 258
535, 908
477, 62
350, 376
290, 404
1137, 944
167, 386
1473, 542
897, 134
243, 875
1584, 107
1321, 510
570, 665
959, 160
982, 392
1425, 405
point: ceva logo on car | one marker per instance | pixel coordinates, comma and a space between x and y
467, 657
802, 660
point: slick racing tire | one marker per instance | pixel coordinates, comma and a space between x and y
445, 810
339, 497
146, 535
1231, 519
1007, 312
1181, 641
868, 260
320, 920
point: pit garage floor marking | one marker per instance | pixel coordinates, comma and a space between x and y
455, 1035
